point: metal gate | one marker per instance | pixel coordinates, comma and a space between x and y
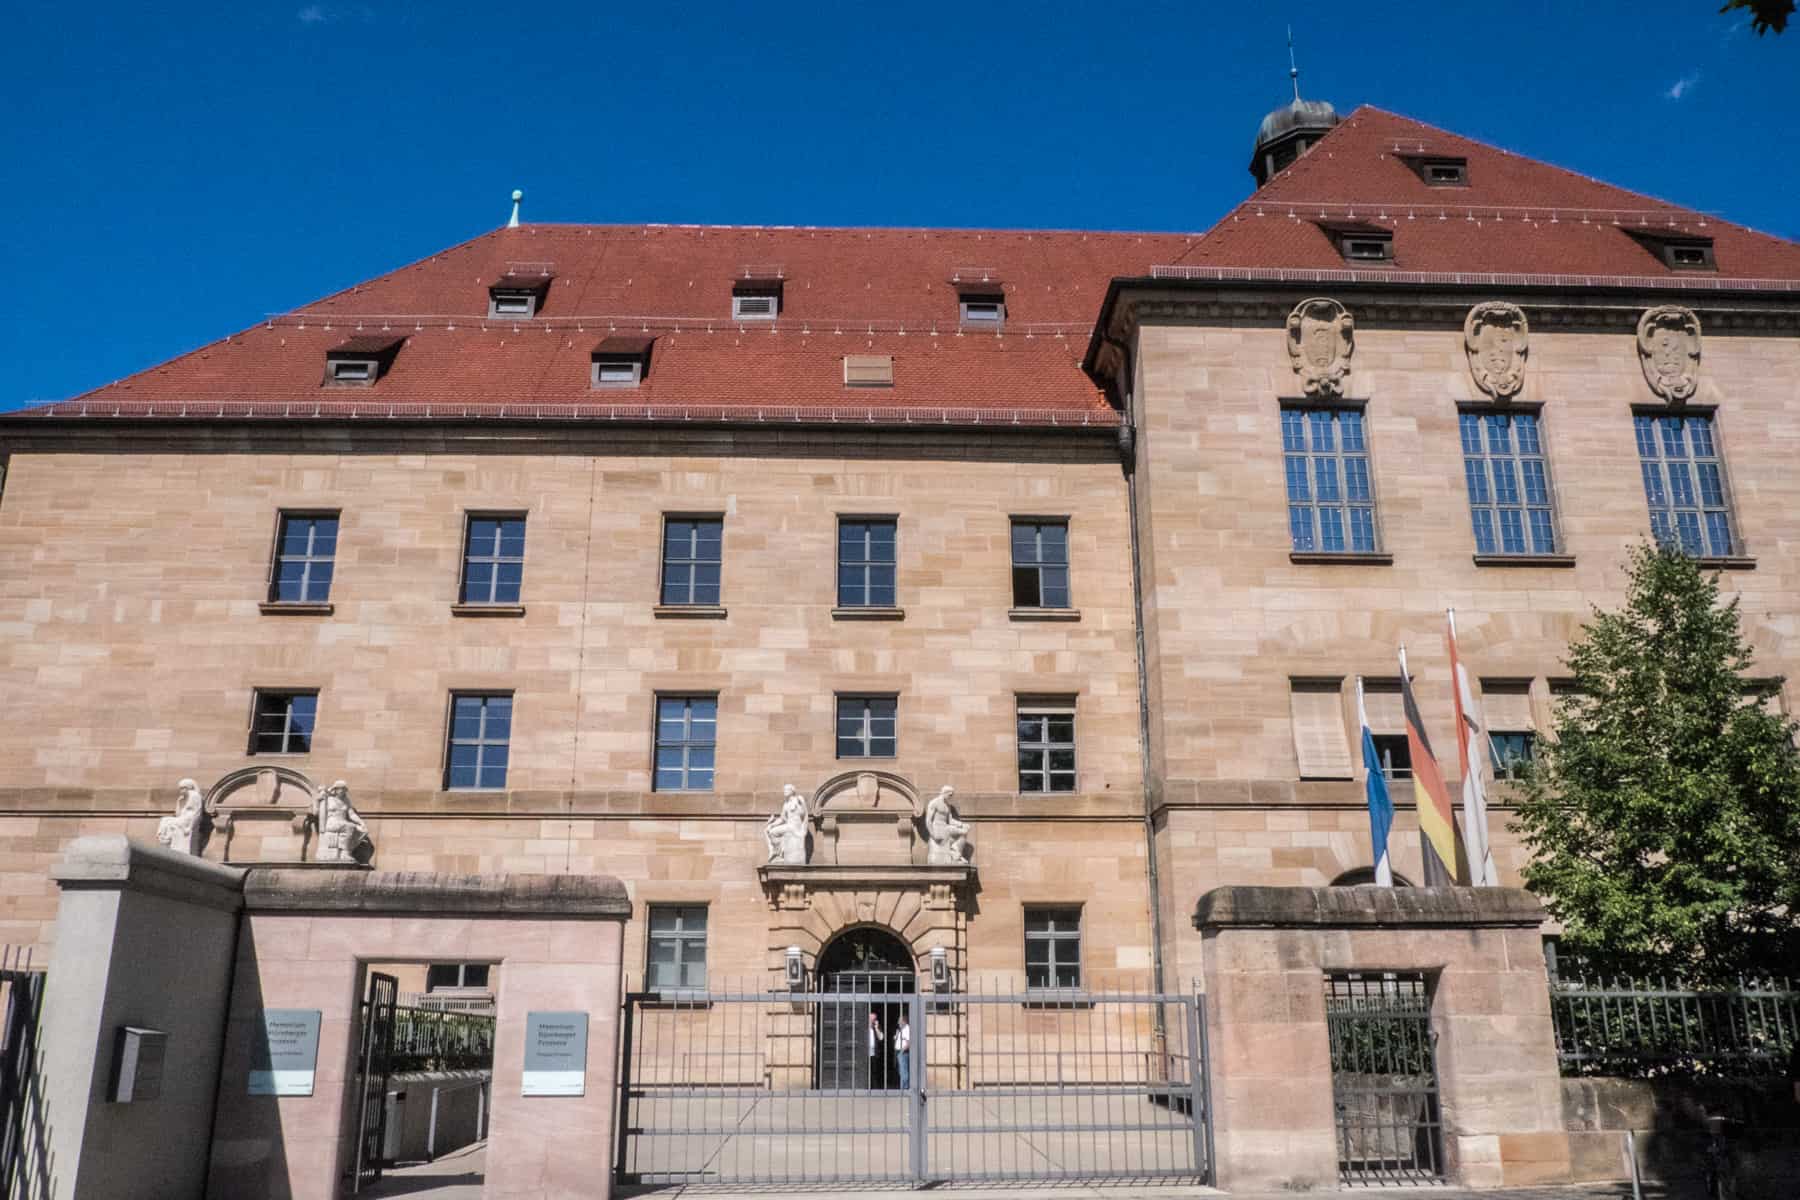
733, 1087
374, 1063
1384, 1077
24, 1128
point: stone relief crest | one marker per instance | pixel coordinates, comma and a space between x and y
1496, 337
1669, 348
1320, 340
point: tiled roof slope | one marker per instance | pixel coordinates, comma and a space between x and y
844, 291
1517, 216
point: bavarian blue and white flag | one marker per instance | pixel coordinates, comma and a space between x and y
1381, 807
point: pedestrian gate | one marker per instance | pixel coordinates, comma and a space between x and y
374, 1064
1384, 1077
751, 1088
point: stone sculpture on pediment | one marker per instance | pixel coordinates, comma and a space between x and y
947, 834
1668, 340
1496, 337
786, 831
186, 832
1321, 337
341, 829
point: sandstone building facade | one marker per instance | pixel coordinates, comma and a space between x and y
569, 547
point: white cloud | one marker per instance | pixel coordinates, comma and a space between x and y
313, 14
1681, 87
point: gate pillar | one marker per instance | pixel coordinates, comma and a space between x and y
1266, 955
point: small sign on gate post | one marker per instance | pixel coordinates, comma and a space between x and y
555, 1054
286, 1052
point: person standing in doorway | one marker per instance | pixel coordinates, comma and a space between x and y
903, 1051
877, 1071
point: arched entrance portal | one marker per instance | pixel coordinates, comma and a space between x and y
867, 962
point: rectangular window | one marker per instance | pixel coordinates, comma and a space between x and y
1047, 747
692, 548
1040, 564
283, 722
686, 737
865, 563
480, 740
866, 726
1509, 483
1052, 948
1321, 747
305, 548
755, 306
493, 560
618, 372
1387, 723
1506, 711
983, 312
1512, 750
1684, 483
1395, 753
1331, 500
439, 976
677, 953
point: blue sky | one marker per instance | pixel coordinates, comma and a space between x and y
174, 176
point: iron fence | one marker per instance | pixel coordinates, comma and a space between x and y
24, 1133
1384, 1077
432, 1039
1642, 1028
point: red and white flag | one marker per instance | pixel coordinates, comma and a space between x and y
1471, 738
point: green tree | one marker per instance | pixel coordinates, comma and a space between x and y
1664, 819
1764, 14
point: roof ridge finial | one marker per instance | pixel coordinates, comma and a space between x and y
1293, 67
513, 222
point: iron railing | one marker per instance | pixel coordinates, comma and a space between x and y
1642, 1028
431, 1039
1384, 1077
24, 1130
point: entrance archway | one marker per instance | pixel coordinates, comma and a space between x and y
866, 962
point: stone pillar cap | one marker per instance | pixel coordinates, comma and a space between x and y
432, 893
111, 860
1366, 906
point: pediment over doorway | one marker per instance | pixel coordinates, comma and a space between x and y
867, 818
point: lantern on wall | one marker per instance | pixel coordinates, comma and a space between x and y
796, 970
940, 969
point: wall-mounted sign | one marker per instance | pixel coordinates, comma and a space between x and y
138, 1064
285, 1053
555, 1054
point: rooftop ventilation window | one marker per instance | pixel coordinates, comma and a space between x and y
1360, 243
360, 361
1444, 172
1679, 250
868, 370
519, 294
620, 362
756, 293
981, 298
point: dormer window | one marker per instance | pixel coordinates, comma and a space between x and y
360, 361
982, 310
1679, 251
1691, 255
620, 362
518, 295
756, 293
1445, 172
868, 370
1364, 248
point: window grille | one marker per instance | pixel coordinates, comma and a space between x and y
692, 548
305, 550
686, 739
493, 560
677, 952
480, 737
1331, 500
1040, 564
1052, 948
1509, 483
1684, 483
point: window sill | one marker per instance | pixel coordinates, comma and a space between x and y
294, 608
694, 612
1043, 614
1524, 560
1734, 562
868, 612
487, 610
1333, 558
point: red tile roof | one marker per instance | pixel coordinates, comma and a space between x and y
895, 291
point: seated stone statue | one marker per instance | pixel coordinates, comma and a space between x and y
947, 833
185, 832
786, 831
340, 826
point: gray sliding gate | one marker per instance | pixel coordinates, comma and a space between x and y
751, 1088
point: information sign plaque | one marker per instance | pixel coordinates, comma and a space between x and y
555, 1054
285, 1053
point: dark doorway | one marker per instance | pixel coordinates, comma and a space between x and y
868, 963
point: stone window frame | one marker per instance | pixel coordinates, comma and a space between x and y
1707, 551
865, 725
682, 938
481, 741
687, 744
1036, 567
1481, 413
1337, 408
1046, 708
692, 598
286, 733
495, 561
868, 565
277, 556
1053, 938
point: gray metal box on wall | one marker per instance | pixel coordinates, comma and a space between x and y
138, 1064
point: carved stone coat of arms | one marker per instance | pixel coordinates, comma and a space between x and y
1321, 336
1497, 338
1669, 348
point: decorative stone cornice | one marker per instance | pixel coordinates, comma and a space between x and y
1362, 907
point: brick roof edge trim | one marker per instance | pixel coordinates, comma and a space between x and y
1684, 283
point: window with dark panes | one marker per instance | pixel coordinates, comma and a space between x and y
493, 560
866, 563
1684, 483
305, 548
691, 557
1395, 753
1331, 501
1509, 483
1040, 564
866, 726
1512, 751
1046, 748
677, 952
480, 740
686, 738
1052, 948
456, 975
282, 722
